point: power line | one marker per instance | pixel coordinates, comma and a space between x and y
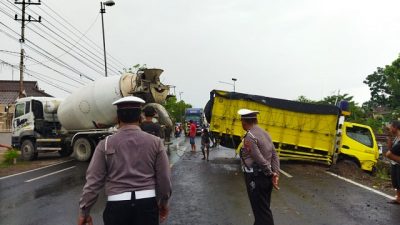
63, 74
82, 35
46, 54
42, 79
73, 45
66, 21
52, 78
61, 48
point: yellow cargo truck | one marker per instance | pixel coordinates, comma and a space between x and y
300, 131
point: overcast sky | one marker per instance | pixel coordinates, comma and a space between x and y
280, 49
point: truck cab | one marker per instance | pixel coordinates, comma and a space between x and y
197, 116
35, 127
359, 145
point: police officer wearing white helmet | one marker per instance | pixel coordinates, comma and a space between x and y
134, 168
260, 164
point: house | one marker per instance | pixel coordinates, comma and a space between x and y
381, 112
9, 92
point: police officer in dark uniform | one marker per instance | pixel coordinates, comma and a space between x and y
134, 168
260, 166
148, 125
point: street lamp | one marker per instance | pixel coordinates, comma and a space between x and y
102, 11
180, 95
234, 81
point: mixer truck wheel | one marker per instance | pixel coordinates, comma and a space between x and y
82, 149
28, 150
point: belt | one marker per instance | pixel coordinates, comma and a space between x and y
248, 170
128, 195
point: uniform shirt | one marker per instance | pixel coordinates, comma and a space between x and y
135, 161
151, 128
258, 148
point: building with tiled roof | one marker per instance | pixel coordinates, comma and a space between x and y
9, 92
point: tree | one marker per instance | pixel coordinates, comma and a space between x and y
176, 109
358, 114
304, 99
384, 85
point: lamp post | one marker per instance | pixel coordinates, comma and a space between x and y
232, 84
102, 11
180, 95
234, 81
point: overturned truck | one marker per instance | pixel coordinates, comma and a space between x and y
300, 131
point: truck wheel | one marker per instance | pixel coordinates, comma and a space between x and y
28, 151
82, 149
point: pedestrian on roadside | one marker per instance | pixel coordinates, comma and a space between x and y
148, 125
133, 166
192, 134
394, 155
205, 143
260, 164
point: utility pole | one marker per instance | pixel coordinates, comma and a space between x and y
22, 40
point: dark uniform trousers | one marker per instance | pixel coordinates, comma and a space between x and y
259, 189
132, 212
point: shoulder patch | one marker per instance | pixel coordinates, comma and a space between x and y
247, 145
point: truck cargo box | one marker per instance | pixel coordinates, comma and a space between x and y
299, 130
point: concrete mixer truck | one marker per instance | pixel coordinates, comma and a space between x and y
77, 123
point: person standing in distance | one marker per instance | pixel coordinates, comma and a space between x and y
134, 168
148, 125
260, 166
192, 135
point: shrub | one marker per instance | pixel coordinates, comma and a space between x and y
10, 155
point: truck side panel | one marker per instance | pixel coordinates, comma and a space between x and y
296, 135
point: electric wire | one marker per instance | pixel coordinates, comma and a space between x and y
35, 76
110, 67
46, 54
48, 67
61, 48
66, 21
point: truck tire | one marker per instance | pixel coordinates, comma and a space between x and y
28, 151
83, 149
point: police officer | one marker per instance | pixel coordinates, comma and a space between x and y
134, 168
260, 166
148, 125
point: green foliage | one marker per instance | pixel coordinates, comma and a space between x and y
382, 170
362, 115
10, 155
304, 99
135, 68
176, 109
384, 85
332, 99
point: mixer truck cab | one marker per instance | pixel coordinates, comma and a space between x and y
35, 127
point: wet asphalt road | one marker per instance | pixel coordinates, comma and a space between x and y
204, 193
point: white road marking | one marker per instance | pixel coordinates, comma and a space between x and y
1, 178
362, 186
286, 174
49, 174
